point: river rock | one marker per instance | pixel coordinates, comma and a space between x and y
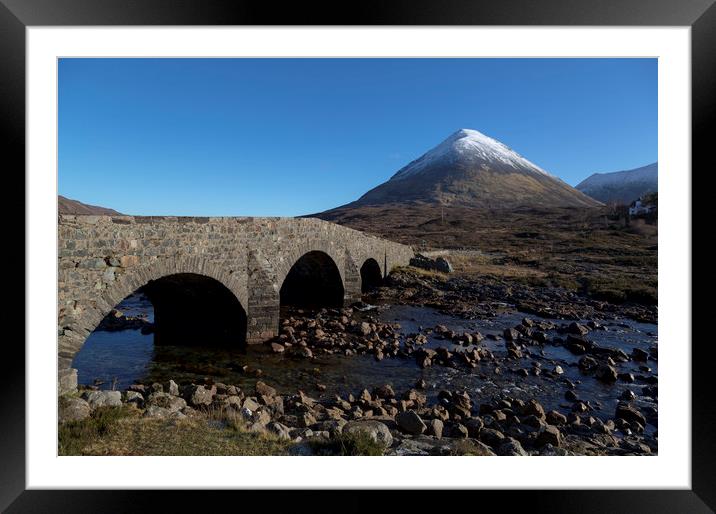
410, 422
511, 447
639, 355
385, 392
250, 404
492, 437
166, 401
198, 395
103, 398
264, 389
550, 435
510, 334
73, 409
556, 418
365, 329
577, 329
474, 426
173, 388
135, 398
606, 374
630, 414
628, 395
535, 408
435, 428
376, 430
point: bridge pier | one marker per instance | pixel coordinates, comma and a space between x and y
352, 281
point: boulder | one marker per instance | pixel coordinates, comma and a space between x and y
435, 428
533, 407
198, 395
474, 426
166, 401
630, 414
510, 334
376, 430
491, 437
73, 409
103, 398
385, 392
511, 447
410, 422
639, 355
264, 389
577, 329
550, 435
133, 397
606, 374
173, 388
250, 404
556, 418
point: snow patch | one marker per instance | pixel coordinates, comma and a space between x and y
467, 146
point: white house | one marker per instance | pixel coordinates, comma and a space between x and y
639, 208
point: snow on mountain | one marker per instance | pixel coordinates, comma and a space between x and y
468, 147
621, 186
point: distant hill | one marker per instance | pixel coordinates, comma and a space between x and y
621, 186
68, 206
470, 169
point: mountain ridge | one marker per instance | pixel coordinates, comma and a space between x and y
68, 206
623, 186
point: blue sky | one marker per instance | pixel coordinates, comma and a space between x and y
285, 137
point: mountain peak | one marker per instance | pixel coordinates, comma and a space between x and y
469, 147
472, 169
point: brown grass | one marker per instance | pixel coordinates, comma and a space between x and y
591, 251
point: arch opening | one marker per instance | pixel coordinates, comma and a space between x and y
370, 275
313, 281
192, 309
179, 310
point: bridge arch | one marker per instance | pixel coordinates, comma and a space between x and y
84, 317
371, 275
314, 280
289, 256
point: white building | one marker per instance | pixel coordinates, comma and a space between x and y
639, 208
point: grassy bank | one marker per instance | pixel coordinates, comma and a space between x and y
122, 431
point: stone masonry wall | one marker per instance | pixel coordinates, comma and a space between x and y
103, 259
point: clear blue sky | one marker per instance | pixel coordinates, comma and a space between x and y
288, 137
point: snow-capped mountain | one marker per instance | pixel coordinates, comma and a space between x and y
621, 186
472, 169
467, 146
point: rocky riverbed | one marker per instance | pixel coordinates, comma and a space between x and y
426, 377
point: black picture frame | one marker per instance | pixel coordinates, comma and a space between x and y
17, 15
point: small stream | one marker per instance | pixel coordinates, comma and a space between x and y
118, 359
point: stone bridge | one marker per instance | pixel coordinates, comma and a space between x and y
208, 277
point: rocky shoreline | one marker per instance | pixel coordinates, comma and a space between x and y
401, 423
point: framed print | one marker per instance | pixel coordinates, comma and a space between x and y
268, 245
